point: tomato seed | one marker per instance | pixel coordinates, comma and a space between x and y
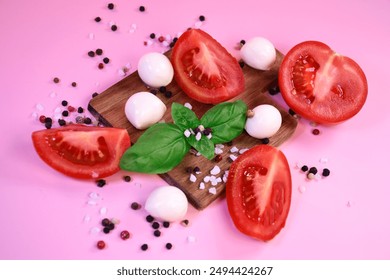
101, 244
125, 235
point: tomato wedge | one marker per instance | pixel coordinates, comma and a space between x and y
204, 69
322, 85
258, 192
82, 151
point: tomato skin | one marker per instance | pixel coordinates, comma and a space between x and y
204, 69
334, 92
80, 151
258, 192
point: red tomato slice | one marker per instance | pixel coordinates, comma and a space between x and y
82, 151
322, 85
204, 69
258, 192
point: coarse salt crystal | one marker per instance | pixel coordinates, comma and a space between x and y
187, 133
168, 37
57, 110
206, 179
111, 23
323, 160
213, 190
215, 170
317, 176
209, 136
233, 157
134, 26
34, 115
302, 189
115, 221
219, 180
149, 42
57, 116
234, 149
198, 136
224, 178
53, 94
39, 107
165, 44
103, 211
298, 165
87, 219
188, 105
198, 24
349, 204
219, 146
192, 178
243, 151
94, 230
191, 239
218, 151
91, 36
202, 186
121, 72
198, 154
131, 30
94, 195
139, 185
91, 202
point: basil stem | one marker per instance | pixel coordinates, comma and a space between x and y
159, 149
226, 120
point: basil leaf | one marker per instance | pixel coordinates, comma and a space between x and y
183, 117
159, 149
226, 120
204, 146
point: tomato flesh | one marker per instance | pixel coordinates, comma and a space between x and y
258, 192
204, 69
321, 85
81, 151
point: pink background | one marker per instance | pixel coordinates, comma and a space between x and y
345, 216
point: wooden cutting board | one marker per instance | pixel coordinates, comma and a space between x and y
108, 108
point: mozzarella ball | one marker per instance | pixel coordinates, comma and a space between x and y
143, 109
167, 203
265, 122
155, 69
258, 53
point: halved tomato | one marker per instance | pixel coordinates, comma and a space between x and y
82, 151
320, 84
204, 69
258, 192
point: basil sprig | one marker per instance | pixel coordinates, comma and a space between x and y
163, 146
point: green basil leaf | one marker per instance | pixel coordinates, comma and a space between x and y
204, 146
183, 117
226, 120
159, 149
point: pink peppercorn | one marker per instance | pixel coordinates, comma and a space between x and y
101, 244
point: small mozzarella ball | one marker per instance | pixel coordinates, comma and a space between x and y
155, 69
258, 53
143, 109
167, 203
265, 122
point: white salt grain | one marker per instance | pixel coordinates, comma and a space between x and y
198, 24
234, 149
57, 110
219, 180
134, 26
302, 189
191, 239
87, 218
215, 170
198, 136
94, 195
53, 94
202, 186
91, 36
218, 151
224, 178
188, 105
233, 157
213, 190
103, 211
219, 146
39, 107
243, 151
323, 160
121, 72
298, 165
34, 115
209, 136
91, 202
187, 133
94, 230
165, 44
192, 178
206, 179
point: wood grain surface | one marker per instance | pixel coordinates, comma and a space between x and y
108, 108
